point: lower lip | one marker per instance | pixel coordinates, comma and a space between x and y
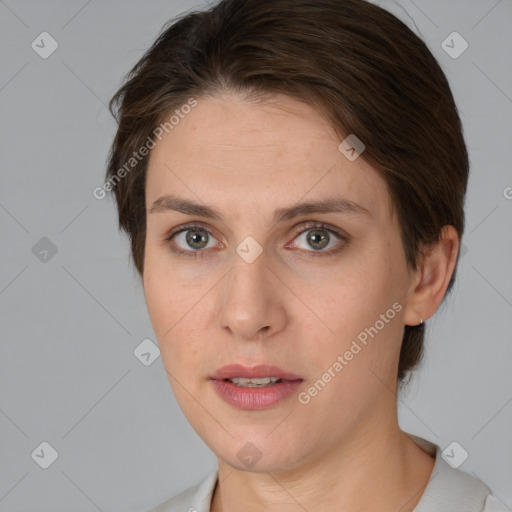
253, 399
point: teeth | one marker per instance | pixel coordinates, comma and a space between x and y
254, 383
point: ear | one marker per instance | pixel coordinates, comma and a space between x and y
432, 277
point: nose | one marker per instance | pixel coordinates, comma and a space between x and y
252, 299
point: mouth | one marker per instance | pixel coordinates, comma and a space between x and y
254, 388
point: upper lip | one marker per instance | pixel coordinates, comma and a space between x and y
254, 372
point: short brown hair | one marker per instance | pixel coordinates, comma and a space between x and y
358, 64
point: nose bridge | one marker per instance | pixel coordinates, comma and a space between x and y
250, 304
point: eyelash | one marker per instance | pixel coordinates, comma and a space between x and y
314, 225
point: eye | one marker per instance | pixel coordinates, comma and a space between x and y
319, 239
191, 239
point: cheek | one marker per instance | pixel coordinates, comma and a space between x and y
171, 305
174, 310
357, 312
358, 349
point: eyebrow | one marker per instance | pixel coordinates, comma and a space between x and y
330, 205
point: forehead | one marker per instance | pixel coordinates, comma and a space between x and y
250, 154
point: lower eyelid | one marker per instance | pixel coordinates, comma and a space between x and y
342, 240
179, 250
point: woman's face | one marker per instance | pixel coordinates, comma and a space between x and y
247, 287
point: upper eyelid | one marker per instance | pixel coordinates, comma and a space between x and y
187, 227
309, 225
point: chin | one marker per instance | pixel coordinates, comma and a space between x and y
256, 452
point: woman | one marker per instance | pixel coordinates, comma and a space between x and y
291, 175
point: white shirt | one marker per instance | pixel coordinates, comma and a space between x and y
448, 490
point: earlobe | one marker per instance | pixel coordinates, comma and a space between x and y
433, 277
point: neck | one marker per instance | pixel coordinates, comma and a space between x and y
383, 470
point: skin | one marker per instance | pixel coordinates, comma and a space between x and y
290, 307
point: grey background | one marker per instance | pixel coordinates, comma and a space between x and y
70, 321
